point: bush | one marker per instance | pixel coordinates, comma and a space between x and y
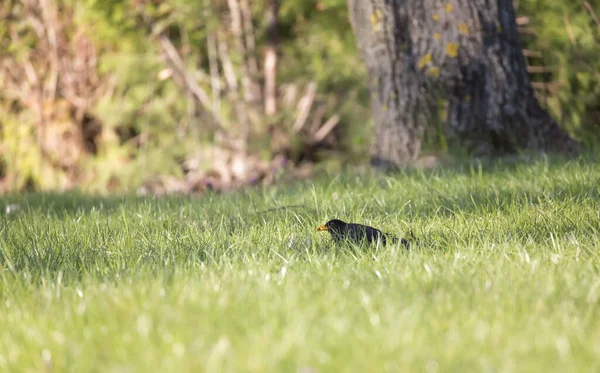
105, 95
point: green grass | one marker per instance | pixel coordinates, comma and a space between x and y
506, 278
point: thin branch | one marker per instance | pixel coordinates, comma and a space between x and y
233, 87
174, 57
326, 128
530, 53
592, 12
228, 70
522, 20
251, 91
50, 21
569, 28
317, 120
213, 65
249, 36
191, 83
270, 65
304, 106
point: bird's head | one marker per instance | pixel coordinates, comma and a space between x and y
334, 225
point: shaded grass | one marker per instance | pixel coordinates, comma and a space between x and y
506, 277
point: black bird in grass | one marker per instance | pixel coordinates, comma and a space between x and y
358, 233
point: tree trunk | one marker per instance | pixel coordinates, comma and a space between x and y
465, 54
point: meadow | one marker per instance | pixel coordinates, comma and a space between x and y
505, 278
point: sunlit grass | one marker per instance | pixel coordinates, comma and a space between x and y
506, 277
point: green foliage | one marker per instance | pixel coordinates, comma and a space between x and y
569, 38
153, 112
507, 277
20, 150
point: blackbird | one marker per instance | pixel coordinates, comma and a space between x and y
357, 232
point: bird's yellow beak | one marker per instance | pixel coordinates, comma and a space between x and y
322, 228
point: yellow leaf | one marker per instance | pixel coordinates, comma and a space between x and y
434, 72
435, 17
448, 8
376, 17
424, 61
452, 49
463, 28
437, 36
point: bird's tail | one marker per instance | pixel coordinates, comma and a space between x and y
407, 242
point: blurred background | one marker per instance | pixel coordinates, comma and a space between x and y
182, 96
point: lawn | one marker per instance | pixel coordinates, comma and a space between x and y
506, 277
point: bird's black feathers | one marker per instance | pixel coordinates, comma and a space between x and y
341, 231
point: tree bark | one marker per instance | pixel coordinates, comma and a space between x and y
465, 54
